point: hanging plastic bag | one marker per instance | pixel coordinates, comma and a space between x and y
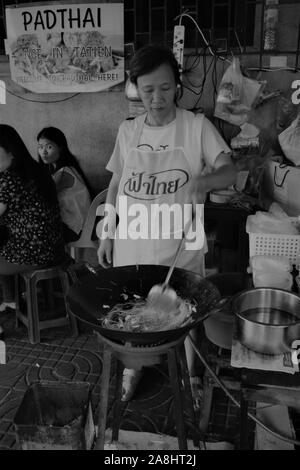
230, 89
251, 166
236, 95
289, 141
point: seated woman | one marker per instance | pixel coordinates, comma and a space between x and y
71, 185
29, 212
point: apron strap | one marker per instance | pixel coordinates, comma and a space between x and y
179, 135
137, 134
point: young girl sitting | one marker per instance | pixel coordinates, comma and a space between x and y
71, 185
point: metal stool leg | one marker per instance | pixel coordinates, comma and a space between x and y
119, 405
32, 311
18, 298
178, 402
103, 403
181, 355
64, 279
208, 388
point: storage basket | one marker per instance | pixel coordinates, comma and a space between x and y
276, 244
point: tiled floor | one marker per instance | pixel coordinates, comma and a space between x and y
60, 357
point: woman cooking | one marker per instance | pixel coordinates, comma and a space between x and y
166, 156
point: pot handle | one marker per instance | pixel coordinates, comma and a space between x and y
224, 302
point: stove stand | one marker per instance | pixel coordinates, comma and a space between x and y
137, 357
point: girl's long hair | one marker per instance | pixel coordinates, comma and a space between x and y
66, 158
24, 164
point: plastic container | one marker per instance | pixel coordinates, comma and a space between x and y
276, 244
219, 327
55, 416
279, 280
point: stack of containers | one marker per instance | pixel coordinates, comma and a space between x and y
274, 245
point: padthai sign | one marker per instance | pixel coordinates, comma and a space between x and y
66, 47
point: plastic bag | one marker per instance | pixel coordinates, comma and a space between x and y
251, 167
236, 95
230, 90
280, 280
264, 222
289, 141
247, 138
271, 271
277, 210
270, 263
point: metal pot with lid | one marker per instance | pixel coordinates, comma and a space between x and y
268, 319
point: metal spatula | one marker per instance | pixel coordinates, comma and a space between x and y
162, 296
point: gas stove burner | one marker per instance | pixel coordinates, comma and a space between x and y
141, 345
134, 343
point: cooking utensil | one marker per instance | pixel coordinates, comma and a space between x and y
93, 296
268, 319
162, 296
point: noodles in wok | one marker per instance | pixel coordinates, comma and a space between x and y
140, 317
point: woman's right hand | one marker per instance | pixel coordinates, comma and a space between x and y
105, 251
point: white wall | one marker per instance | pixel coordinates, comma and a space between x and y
90, 122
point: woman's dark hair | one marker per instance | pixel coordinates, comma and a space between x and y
24, 165
66, 158
148, 58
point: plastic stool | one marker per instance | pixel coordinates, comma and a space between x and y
128, 356
31, 319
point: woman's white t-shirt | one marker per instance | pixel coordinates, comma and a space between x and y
202, 142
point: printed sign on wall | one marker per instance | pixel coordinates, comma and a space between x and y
67, 47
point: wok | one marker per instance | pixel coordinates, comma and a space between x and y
93, 295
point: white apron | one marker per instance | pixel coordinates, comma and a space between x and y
150, 178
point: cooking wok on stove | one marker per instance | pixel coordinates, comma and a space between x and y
94, 294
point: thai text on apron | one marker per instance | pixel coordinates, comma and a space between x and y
151, 179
